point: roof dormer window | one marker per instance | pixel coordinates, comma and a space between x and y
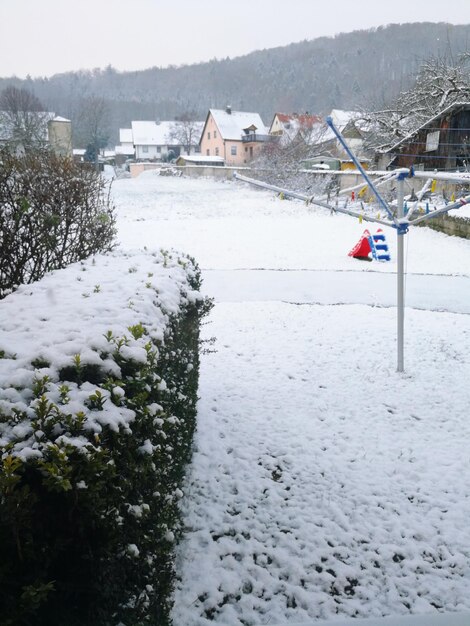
251, 129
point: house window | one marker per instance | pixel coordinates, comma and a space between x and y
208, 152
215, 134
432, 141
217, 152
208, 135
197, 149
159, 149
233, 150
145, 148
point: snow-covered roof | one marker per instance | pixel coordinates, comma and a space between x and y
125, 135
231, 125
201, 158
299, 120
342, 118
79, 151
309, 126
451, 107
153, 134
58, 118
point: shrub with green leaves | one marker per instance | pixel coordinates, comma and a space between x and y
97, 413
53, 212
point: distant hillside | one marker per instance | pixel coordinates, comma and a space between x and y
346, 71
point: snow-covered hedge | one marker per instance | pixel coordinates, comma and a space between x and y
98, 390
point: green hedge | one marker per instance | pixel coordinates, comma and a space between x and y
53, 212
91, 475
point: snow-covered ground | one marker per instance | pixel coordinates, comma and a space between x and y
323, 483
228, 225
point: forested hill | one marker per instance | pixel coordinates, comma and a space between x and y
346, 71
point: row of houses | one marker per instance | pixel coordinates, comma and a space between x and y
441, 143
236, 138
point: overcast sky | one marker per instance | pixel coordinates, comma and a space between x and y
44, 37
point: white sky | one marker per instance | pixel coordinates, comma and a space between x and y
44, 37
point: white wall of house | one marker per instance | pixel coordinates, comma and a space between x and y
144, 152
127, 147
277, 128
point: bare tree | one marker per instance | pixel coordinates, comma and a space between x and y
281, 160
23, 120
93, 126
304, 138
186, 131
438, 85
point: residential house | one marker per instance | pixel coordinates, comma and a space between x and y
353, 131
442, 143
236, 136
296, 127
156, 141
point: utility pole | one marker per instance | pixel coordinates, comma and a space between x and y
400, 276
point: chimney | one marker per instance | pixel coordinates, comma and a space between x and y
228, 109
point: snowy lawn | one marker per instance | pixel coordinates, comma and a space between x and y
323, 483
229, 225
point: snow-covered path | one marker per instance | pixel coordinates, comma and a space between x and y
323, 483
423, 291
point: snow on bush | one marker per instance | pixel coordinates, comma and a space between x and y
98, 387
53, 212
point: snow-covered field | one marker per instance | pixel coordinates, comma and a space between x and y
323, 483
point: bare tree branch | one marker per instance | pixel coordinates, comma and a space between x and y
22, 119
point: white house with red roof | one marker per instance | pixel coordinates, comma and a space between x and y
236, 136
296, 126
353, 130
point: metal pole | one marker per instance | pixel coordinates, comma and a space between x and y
400, 278
356, 162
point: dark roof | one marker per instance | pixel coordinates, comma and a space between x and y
449, 108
